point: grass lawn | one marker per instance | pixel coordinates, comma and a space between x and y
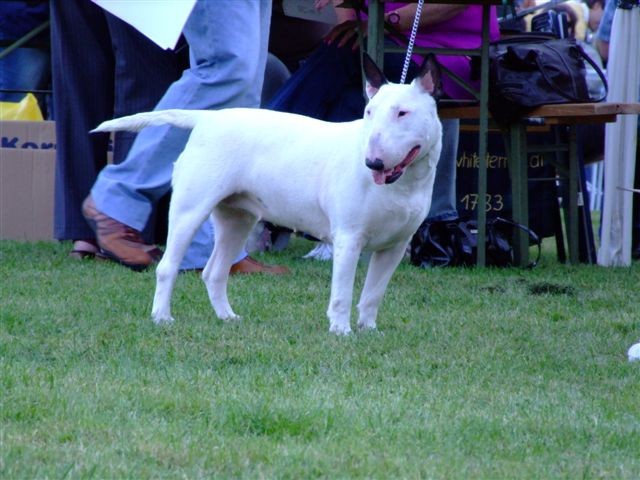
473, 374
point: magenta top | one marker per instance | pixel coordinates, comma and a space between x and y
462, 31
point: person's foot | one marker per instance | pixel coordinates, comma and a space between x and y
118, 241
84, 249
251, 265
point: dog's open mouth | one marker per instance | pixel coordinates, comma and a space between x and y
382, 177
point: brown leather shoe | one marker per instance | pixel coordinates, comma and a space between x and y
118, 241
251, 265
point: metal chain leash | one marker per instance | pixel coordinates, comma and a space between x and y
412, 41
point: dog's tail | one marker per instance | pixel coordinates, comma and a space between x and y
134, 123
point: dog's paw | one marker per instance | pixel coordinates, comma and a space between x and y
163, 319
367, 325
231, 318
340, 329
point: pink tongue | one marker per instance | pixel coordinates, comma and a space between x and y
379, 177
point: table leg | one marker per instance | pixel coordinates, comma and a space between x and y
483, 136
518, 163
572, 231
375, 33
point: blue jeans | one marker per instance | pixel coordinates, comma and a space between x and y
228, 50
443, 201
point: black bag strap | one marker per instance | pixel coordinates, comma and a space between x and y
532, 236
559, 90
600, 73
465, 242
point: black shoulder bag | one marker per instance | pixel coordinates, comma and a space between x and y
455, 244
527, 71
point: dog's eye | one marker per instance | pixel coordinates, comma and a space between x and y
402, 113
368, 112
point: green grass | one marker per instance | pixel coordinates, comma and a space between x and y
474, 373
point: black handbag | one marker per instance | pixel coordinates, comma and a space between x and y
527, 71
455, 244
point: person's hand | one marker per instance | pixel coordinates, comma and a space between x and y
345, 32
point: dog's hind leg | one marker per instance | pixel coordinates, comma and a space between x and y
232, 228
185, 217
346, 253
381, 267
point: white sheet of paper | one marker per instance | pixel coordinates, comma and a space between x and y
160, 20
305, 9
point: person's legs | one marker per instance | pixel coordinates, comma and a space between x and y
443, 202
92, 51
276, 74
82, 65
328, 86
227, 55
135, 89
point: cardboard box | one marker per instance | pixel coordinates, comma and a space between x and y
27, 175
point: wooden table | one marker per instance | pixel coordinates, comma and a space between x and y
571, 115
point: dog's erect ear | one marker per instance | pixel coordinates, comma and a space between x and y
375, 77
430, 76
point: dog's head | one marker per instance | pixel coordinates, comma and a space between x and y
401, 122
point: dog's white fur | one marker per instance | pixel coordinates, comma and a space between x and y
243, 165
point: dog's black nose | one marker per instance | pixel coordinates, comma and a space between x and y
375, 164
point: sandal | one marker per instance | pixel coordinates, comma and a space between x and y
84, 249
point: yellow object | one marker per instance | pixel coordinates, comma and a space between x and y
25, 109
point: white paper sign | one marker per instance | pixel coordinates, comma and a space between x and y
160, 20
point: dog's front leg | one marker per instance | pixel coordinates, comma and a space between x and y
346, 252
381, 267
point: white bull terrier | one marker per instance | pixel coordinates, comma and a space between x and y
361, 185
